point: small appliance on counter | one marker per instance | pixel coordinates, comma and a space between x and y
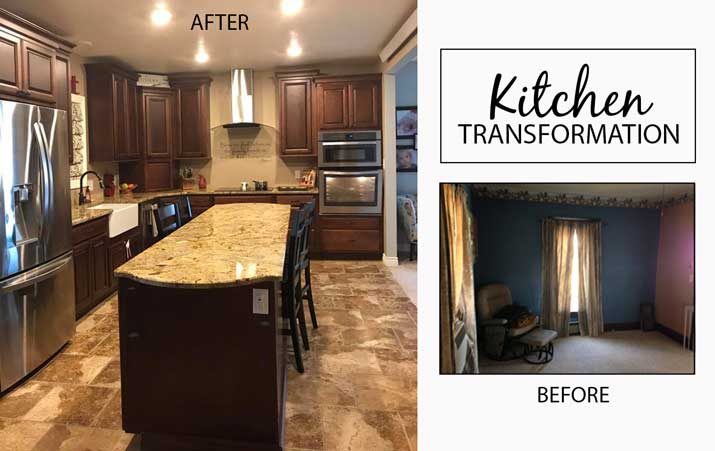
202, 182
260, 185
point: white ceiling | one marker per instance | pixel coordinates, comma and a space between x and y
635, 191
327, 30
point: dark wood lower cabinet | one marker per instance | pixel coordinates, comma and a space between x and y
96, 256
257, 199
121, 249
344, 236
91, 264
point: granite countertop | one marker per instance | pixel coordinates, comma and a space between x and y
228, 245
144, 197
81, 214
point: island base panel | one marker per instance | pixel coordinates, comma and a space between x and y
200, 368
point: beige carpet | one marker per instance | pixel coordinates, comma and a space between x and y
622, 352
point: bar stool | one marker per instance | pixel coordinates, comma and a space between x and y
308, 211
185, 209
167, 219
292, 290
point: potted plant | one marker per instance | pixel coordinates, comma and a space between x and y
187, 178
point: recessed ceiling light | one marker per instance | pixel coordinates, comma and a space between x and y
294, 50
291, 7
160, 16
201, 56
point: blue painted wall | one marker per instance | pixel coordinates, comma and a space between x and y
509, 234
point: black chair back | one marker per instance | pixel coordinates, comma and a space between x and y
167, 219
292, 289
185, 212
308, 213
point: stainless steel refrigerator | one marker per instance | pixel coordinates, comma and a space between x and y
36, 268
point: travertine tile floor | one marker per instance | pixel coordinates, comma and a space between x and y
359, 390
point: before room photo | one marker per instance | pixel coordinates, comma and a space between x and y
567, 278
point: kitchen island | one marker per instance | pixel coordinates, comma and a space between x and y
200, 323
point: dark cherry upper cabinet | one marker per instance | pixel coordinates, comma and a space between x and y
10, 64
296, 116
193, 107
30, 62
158, 119
38, 62
365, 102
348, 103
112, 116
331, 101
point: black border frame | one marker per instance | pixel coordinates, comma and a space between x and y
695, 251
695, 102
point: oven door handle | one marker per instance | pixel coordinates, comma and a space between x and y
374, 172
343, 143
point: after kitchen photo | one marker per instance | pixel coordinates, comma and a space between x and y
210, 237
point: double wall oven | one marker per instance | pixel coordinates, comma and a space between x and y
350, 175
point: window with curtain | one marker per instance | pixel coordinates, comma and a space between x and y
571, 275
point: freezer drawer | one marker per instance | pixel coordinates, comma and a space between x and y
36, 317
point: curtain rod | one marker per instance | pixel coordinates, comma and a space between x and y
564, 218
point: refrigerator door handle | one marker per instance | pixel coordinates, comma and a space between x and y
47, 181
35, 275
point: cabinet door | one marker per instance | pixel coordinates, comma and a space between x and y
365, 104
38, 65
158, 129
295, 97
100, 265
131, 121
126, 145
332, 105
119, 95
193, 122
117, 257
82, 278
10, 64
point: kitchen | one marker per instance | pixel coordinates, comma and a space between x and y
177, 182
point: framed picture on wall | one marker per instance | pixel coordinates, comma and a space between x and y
406, 120
406, 125
406, 159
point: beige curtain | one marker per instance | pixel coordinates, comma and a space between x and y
556, 257
590, 309
458, 325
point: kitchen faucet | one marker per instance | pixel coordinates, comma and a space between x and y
82, 198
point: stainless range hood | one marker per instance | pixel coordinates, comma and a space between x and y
242, 100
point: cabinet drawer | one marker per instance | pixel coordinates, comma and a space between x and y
88, 230
293, 200
258, 199
201, 201
350, 241
350, 222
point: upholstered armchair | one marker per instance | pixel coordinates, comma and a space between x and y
497, 332
407, 212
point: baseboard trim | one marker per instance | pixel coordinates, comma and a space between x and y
622, 326
390, 261
670, 333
